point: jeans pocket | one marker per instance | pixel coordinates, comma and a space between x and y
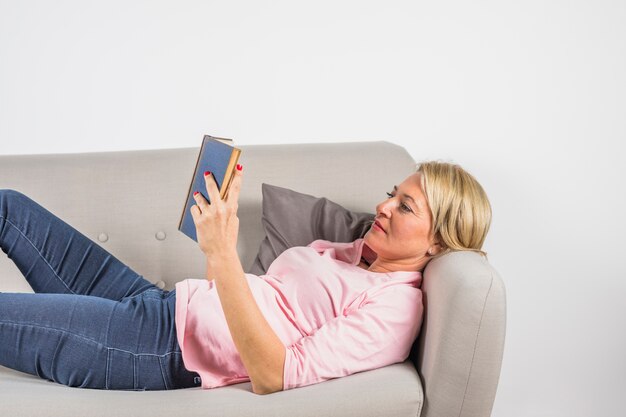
177, 376
136, 372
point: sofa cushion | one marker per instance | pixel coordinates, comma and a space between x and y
394, 390
291, 218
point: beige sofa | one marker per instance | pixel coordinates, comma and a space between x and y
130, 202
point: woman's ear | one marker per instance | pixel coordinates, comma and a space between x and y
435, 248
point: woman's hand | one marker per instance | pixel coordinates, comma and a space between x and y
217, 224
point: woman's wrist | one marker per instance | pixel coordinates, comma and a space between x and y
216, 261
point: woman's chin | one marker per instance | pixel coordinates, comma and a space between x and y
374, 232
369, 238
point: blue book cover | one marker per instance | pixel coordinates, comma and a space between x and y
219, 157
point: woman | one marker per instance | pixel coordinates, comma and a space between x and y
322, 311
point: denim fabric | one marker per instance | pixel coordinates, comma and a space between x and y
93, 322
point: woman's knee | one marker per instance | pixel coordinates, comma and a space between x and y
16, 202
9, 193
9, 196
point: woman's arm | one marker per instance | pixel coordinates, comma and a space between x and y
217, 228
261, 351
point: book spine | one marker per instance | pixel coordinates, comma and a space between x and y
193, 175
230, 172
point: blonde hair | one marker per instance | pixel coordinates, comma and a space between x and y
460, 209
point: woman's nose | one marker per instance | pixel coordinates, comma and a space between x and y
385, 207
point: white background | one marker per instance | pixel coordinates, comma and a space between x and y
529, 96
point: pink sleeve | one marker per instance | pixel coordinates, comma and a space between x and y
379, 333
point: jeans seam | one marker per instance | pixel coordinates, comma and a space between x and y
106, 375
53, 328
143, 354
135, 372
143, 293
40, 254
163, 375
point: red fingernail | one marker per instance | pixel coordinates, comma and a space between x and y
196, 192
207, 173
239, 167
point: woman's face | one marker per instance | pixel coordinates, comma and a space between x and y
406, 222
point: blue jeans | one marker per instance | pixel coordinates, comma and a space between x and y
93, 322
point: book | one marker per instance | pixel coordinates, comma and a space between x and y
219, 156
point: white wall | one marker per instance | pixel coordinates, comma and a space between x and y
529, 96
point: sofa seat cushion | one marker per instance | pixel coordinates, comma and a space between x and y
387, 391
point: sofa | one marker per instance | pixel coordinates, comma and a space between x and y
130, 202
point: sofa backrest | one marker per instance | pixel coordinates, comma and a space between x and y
130, 202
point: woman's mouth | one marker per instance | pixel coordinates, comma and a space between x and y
378, 226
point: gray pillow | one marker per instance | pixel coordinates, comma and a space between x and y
292, 219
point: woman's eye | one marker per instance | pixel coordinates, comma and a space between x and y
403, 206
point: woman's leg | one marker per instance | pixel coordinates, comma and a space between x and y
93, 342
56, 258
93, 321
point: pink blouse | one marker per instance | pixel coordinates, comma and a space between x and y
333, 317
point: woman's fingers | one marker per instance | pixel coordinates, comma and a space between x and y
201, 202
211, 188
232, 197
